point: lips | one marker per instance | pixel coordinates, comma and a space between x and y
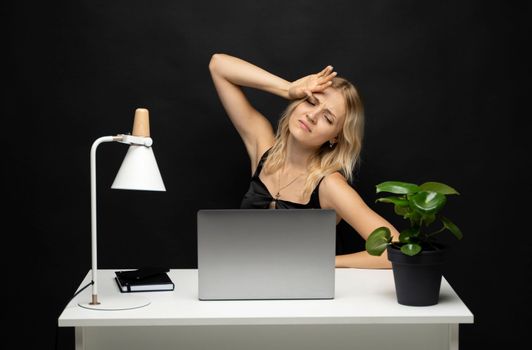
304, 126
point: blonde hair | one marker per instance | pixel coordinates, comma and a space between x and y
342, 157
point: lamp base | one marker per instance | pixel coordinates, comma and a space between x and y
122, 302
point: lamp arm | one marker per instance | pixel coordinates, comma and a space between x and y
94, 253
127, 139
135, 140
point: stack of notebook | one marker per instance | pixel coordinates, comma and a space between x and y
144, 280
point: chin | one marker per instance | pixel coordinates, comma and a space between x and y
303, 139
301, 136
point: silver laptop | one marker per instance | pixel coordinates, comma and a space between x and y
258, 254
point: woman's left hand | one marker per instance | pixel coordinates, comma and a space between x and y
306, 86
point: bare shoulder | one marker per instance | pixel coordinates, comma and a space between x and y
336, 193
334, 177
332, 185
333, 181
335, 189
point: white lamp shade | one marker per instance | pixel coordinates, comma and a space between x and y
139, 171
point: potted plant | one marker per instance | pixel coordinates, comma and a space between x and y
417, 257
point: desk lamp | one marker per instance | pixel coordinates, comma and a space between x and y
138, 171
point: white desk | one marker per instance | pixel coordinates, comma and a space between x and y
363, 315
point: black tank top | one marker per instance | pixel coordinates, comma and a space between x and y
258, 196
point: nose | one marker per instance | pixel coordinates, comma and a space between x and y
311, 115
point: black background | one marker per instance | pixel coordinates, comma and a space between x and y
444, 83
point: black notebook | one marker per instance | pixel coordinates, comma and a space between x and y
144, 280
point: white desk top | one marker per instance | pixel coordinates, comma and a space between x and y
361, 297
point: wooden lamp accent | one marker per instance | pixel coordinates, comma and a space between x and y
141, 124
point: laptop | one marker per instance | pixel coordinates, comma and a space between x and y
264, 254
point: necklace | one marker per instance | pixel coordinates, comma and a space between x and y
278, 194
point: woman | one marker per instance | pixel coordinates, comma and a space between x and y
307, 163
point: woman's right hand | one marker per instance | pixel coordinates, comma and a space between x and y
306, 86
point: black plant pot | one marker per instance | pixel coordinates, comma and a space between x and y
417, 278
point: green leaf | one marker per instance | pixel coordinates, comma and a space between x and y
401, 204
452, 227
408, 235
411, 249
428, 219
378, 241
414, 216
397, 187
395, 200
428, 202
399, 210
438, 187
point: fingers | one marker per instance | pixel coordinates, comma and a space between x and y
325, 85
324, 82
327, 75
327, 70
321, 81
310, 97
330, 76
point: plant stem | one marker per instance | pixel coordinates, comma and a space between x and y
436, 232
433, 246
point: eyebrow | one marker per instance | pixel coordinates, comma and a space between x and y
327, 109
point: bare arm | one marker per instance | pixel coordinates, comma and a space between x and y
229, 74
336, 193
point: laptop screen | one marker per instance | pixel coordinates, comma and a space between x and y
266, 254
